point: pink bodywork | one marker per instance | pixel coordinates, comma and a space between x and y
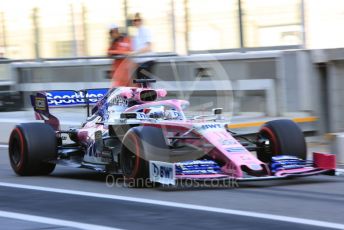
218, 138
218, 142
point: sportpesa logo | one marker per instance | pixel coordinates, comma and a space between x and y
62, 98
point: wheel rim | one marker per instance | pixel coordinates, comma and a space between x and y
270, 150
131, 157
267, 134
15, 153
129, 162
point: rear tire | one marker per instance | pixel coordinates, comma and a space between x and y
285, 138
31, 145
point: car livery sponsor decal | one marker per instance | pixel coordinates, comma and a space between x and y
70, 97
162, 172
172, 114
120, 101
211, 126
40, 103
284, 162
236, 149
208, 127
141, 116
227, 142
197, 167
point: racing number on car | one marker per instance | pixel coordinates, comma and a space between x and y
40, 103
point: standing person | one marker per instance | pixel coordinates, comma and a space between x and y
143, 40
120, 45
142, 45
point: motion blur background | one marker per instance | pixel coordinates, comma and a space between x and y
69, 28
259, 59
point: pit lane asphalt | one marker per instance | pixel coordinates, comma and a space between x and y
318, 198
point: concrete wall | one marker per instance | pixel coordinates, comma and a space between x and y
277, 83
329, 69
220, 74
336, 96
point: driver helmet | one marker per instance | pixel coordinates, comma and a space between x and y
172, 114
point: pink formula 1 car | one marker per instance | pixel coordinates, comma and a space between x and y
134, 132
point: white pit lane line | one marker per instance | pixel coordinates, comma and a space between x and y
324, 224
339, 172
53, 221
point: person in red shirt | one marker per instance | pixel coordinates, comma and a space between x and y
121, 46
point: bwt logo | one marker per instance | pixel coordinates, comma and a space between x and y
72, 98
162, 171
211, 126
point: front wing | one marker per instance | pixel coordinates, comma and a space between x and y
170, 173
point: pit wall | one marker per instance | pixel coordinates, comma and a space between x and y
273, 83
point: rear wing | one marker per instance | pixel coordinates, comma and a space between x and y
66, 98
42, 101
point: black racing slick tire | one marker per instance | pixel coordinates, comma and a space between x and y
31, 146
140, 145
284, 137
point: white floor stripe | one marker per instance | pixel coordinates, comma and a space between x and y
181, 205
339, 172
53, 221
3, 146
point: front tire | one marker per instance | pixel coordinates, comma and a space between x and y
140, 145
285, 138
31, 145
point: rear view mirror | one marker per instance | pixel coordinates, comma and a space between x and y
148, 95
217, 111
